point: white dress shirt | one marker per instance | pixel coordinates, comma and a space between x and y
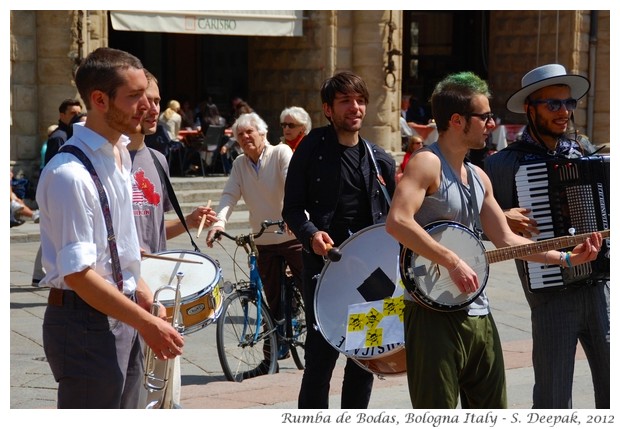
73, 229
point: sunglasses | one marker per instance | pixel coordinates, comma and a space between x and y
289, 125
554, 104
484, 116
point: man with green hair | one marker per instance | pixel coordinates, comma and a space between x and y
453, 347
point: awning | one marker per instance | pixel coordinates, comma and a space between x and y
223, 22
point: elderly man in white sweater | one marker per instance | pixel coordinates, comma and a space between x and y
258, 176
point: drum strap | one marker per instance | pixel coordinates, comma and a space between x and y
378, 173
105, 207
173, 198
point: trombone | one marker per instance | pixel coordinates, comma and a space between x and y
158, 374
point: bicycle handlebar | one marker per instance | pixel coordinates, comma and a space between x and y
243, 239
333, 253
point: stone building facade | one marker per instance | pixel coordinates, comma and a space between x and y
46, 47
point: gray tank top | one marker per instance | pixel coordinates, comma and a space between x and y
452, 202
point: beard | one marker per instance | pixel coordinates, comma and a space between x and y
474, 143
545, 131
120, 121
340, 123
145, 130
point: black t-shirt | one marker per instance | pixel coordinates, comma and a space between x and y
353, 209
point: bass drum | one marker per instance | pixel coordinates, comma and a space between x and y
359, 302
201, 286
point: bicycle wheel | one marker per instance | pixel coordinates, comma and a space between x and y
243, 352
296, 326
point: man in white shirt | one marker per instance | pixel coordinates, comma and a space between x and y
92, 321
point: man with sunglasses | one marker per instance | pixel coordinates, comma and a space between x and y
580, 312
456, 354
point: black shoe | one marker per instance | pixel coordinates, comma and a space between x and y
35, 282
16, 223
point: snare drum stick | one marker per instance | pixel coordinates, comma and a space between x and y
202, 222
169, 258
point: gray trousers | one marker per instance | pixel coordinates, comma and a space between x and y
576, 315
96, 360
37, 271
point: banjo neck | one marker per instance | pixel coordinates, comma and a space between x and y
519, 251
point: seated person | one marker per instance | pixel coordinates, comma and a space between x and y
19, 209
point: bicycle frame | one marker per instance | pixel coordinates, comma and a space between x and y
256, 284
252, 321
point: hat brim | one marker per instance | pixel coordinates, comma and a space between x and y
579, 86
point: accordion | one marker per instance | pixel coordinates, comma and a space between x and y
566, 196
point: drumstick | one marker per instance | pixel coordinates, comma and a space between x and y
169, 258
202, 222
333, 253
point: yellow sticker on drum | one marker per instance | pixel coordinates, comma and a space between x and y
374, 338
375, 324
373, 317
394, 307
357, 322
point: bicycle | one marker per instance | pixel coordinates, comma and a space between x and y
248, 333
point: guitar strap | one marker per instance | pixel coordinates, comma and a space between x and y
474, 201
469, 201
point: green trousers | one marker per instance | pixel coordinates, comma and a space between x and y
451, 353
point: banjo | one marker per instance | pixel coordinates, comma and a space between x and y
430, 283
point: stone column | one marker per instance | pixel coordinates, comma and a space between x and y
370, 32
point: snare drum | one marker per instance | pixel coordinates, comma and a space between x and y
359, 302
201, 292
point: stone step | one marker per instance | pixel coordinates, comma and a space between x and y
194, 197
189, 206
194, 191
188, 183
239, 219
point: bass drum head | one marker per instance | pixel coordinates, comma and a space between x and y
198, 279
359, 299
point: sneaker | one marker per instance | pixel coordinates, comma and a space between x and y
35, 216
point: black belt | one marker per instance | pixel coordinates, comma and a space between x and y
70, 299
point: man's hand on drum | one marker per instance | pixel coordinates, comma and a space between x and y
194, 218
321, 242
211, 235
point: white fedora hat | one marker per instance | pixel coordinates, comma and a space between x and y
547, 75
